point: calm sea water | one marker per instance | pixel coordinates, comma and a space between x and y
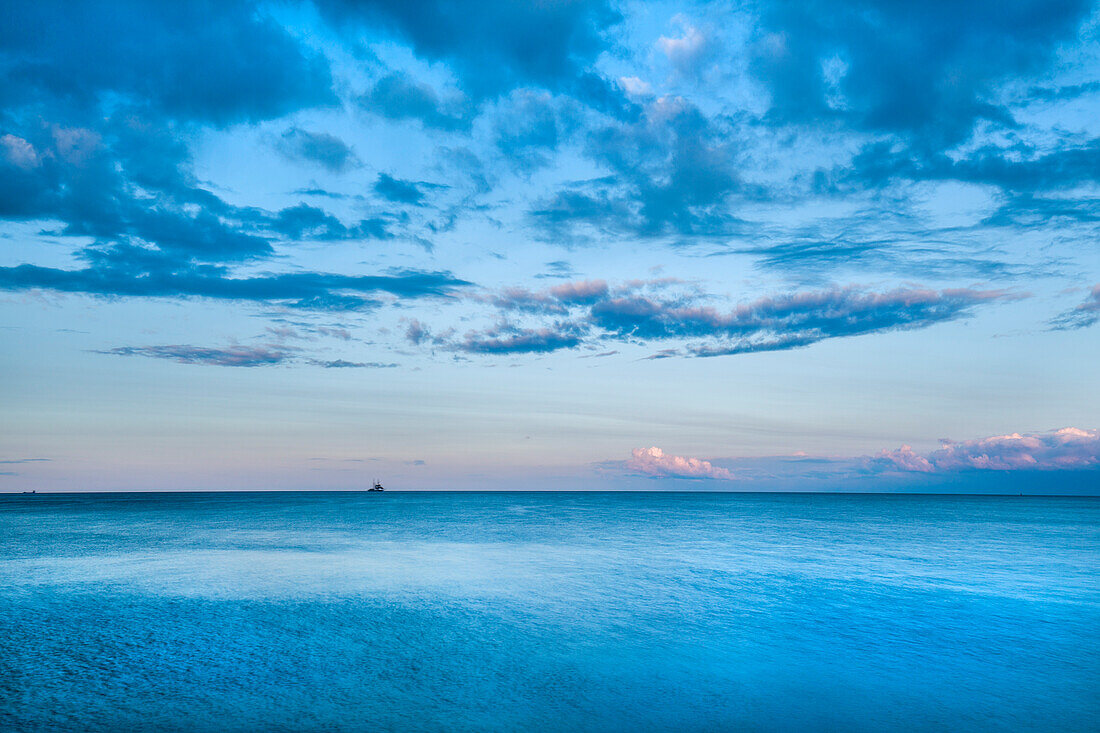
602, 612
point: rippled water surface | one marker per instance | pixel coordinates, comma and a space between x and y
513, 611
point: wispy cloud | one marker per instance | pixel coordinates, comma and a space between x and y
241, 356
342, 364
505, 338
231, 356
149, 275
1086, 314
594, 313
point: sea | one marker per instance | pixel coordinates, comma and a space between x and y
548, 612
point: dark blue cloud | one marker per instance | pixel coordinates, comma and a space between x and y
398, 191
496, 45
398, 96
1019, 168
126, 184
210, 61
309, 222
123, 182
328, 151
101, 99
924, 69
811, 257
557, 269
234, 356
673, 171
323, 193
532, 126
144, 273
793, 319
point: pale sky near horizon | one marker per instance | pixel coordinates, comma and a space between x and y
580, 244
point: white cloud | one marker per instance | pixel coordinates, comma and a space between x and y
687, 52
635, 87
1068, 448
655, 462
19, 152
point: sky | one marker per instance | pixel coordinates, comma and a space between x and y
563, 244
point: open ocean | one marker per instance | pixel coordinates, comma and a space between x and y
548, 612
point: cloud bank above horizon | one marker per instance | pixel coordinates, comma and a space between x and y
1064, 450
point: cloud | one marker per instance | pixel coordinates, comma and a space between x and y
556, 269
328, 151
398, 191
580, 291
555, 300
655, 462
309, 222
417, 333
19, 152
672, 171
128, 186
341, 364
1059, 461
1065, 449
1020, 169
26, 460
212, 62
786, 321
1086, 314
688, 52
508, 339
496, 45
635, 87
925, 70
239, 356
398, 96
150, 275
529, 126
232, 356
811, 256
593, 313
127, 183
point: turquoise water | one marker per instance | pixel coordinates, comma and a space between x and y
571, 612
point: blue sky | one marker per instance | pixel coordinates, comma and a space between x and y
743, 246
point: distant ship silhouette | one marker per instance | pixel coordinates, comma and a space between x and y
377, 487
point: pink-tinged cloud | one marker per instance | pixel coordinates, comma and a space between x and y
655, 462
580, 291
1068, 448
19, 152
1083, 315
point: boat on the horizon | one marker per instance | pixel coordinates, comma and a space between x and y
377, 487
